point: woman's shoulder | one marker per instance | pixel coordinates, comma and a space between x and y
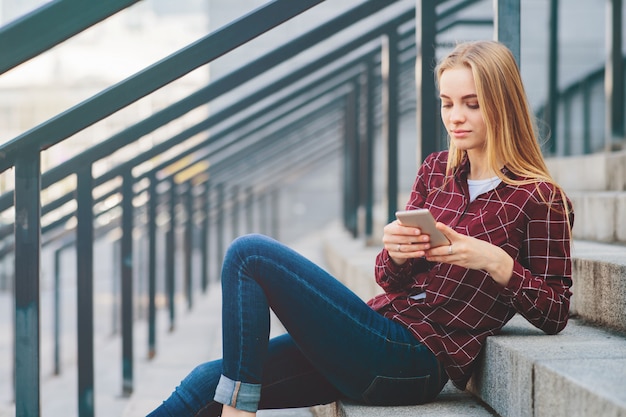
541, 192
436, 161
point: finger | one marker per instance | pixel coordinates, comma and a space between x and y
447, 231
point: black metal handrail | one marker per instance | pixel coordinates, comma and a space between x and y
578, 133
283, 141
50, 25
27, 174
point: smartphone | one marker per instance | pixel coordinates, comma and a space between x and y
426, 222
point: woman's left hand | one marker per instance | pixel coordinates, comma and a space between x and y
472, 253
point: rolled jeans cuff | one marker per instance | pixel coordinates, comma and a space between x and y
241, 395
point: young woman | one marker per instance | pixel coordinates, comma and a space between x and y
509, 227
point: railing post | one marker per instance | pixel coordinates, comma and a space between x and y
586, 146
235, 211
614, 75
264, 209
57, 311
116, 284
84, 292
152, 256
275, 213
351, 183
507, 25
170, 255
552, 105
204, 207
220, 225
27, 268
427, 117
188, 244
127, 284
249, 209
369, 126
390, 99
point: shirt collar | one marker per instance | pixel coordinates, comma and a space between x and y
464, 168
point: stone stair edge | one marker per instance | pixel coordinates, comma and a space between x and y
593, 172
354, 261
598, 215
524, 372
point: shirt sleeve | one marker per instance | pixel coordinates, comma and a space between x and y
541, 280
390, 276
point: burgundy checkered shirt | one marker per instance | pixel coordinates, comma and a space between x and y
464, 306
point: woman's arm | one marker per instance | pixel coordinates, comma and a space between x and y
538, 280
404, 247
540, 286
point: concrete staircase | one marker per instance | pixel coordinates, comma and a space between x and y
523, 372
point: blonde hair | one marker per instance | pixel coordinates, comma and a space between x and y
511, 135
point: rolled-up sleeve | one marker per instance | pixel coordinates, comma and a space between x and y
541, 280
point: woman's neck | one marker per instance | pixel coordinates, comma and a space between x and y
479, 167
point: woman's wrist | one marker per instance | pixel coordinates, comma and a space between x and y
398, 261
501, 268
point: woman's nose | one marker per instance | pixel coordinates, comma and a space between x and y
456, 115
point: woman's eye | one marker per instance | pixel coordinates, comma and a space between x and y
446, 105
473, 106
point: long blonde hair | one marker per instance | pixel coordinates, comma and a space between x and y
511, 135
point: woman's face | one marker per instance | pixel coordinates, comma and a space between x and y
460, 111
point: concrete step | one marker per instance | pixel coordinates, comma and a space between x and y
523, 372
599, 284
599, 215
578, 373
451, 402
595, 172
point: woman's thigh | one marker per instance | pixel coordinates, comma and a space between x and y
360, 352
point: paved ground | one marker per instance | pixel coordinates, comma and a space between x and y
196, 339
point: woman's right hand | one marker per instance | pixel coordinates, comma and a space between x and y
404, 242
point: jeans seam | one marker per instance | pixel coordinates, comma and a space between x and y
337, 307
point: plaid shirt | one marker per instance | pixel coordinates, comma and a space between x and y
464, 306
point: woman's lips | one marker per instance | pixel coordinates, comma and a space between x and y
458, 133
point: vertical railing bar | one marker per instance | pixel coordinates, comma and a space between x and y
507, 27
220, 225
389, 62
188, 244
170, 255
204, 240
427, 117
614, 75
57, 311
369, 140
586, 99
249, 209
27, 202
275, 213
551, 108
567, 123
351, 166
235, 212
127, 284
152, 238
84, 292
117, 261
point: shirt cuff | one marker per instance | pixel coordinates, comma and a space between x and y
395, 270
516, 283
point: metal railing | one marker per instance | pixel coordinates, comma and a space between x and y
327, 113
581, 108
232, 173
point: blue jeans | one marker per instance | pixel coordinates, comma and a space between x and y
336, 346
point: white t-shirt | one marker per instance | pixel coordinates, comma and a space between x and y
477, 187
